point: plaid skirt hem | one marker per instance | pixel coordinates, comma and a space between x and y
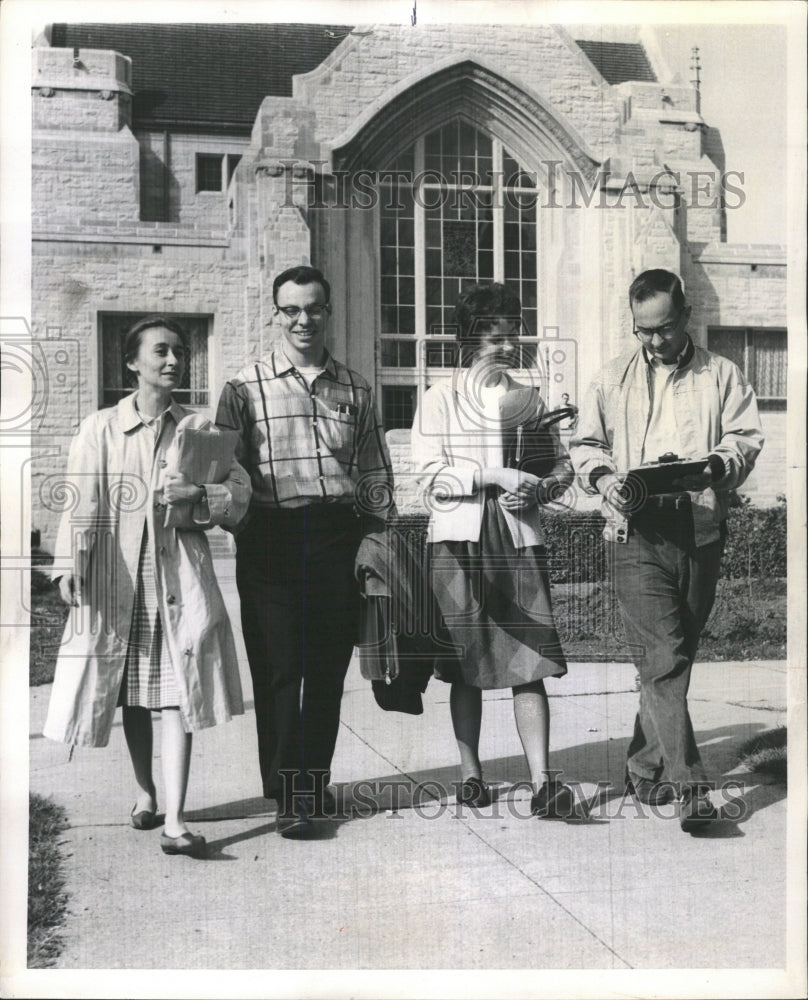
148, 680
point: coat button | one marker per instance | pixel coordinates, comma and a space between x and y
163, 463
171, 599
188, 651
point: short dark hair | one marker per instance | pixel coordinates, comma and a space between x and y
479, 306
134, 337
301, 275
654, 282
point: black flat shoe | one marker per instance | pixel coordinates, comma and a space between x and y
553, 801
192, 845
144, 820
474, 792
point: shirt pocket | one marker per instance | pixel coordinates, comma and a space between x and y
336, 428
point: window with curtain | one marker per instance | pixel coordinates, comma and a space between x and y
473, 217
762, 355
113, 327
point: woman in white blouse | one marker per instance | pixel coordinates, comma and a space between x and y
488, 561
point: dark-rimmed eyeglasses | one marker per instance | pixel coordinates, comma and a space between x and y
665, 330
313, 312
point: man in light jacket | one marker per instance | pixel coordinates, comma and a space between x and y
666, 396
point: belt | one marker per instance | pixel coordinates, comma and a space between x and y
667, 501
329, 511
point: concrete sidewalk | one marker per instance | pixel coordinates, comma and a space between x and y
431, 885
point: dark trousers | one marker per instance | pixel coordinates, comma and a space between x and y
666, 588
299, 610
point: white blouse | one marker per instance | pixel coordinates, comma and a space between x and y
458, 431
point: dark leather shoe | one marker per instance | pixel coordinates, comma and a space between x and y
652, 793
474, 792
190, 844
295, 822
295, 828
295, 819
144, 820
325, 805
696, 810
553, 801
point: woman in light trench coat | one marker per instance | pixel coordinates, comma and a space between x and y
148, 627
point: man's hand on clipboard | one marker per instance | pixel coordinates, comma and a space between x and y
695, 482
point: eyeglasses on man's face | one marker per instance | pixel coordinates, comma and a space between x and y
665, 331
313, 312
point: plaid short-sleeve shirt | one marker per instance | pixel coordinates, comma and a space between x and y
307, 443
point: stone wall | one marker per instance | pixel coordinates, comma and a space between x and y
84, 178
740, 285
169, 189
361, 73
85, 160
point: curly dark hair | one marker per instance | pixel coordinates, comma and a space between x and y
478, 309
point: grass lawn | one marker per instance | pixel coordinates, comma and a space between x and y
48, 616
748, 622
47, 901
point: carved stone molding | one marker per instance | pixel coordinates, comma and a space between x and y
483, 98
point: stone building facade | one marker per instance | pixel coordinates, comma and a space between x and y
403, 162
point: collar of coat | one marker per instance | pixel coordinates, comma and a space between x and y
276, 360
130, 418
684, 358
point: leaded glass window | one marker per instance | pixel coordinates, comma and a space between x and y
460, 209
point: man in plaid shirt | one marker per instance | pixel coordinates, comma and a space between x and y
311, 441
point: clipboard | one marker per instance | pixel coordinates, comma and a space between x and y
658, 477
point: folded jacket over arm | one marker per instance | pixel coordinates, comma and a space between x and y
401, 630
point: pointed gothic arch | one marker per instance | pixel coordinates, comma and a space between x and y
351, 245
469, 91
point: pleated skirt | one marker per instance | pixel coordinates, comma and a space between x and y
495, 602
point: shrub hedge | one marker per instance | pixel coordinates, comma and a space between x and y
756, 543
